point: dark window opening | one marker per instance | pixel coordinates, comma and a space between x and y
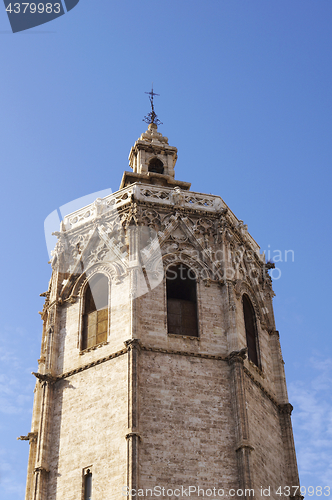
156, 166
95, 317
88, 485
251, 329
181, 301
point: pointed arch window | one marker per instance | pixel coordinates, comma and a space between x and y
181, 301
95, 316
251, 329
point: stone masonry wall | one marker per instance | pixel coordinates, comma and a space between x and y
152, 324
88, 428
186, 423
265, 436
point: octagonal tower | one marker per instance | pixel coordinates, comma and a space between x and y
160, 364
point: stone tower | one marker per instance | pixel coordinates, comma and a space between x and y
160, 364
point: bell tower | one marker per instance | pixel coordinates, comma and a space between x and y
161, 372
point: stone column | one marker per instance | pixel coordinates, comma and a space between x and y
170, 164
285, 410
243, 447
291, 470
41, 470
32, 437
278, 368
133, 437
46, 378
230, 312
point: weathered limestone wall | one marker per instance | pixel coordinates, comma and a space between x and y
89, 426
266, 438
186, 423
186, 418
152, 321
266, 376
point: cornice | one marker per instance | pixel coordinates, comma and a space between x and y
91, 364
261, 387
233, 357
184, 353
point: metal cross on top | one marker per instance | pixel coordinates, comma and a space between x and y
152, 117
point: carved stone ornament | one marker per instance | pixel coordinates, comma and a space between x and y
41, 469
31, 437
177, 197
286, 408
237, 356
133, 434
44, 377
151, 218
132, 344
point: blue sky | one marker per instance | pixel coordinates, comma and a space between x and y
245, 97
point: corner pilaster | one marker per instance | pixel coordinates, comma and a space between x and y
133, 437
291, 470
278, 368
41, 470
243, 447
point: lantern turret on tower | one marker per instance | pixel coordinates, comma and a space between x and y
151, 158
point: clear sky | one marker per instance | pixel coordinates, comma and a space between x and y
245, 96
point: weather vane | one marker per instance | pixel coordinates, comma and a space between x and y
152, 117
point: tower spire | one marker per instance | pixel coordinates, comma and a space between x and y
152, 117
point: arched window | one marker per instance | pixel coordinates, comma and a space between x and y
156, 165
251, 329
181, 301
95, 317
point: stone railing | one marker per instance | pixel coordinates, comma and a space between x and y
99, 207
177, 197
154, 194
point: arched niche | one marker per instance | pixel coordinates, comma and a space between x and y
156, 166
